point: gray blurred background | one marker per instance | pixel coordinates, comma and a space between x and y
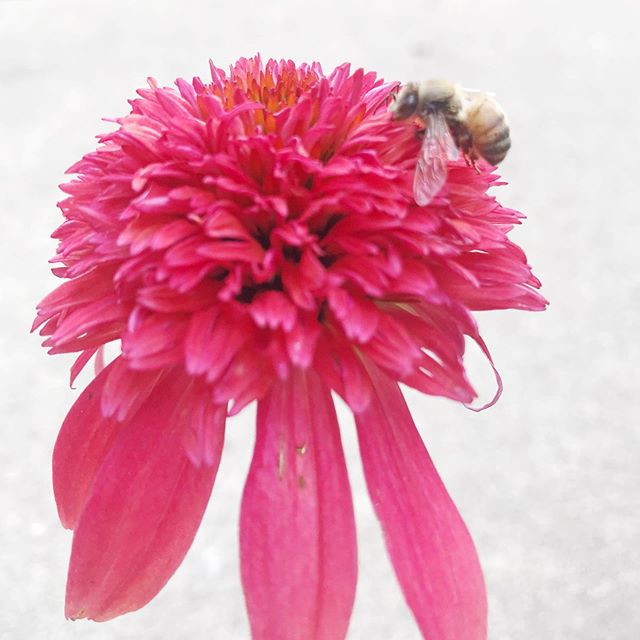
547, 480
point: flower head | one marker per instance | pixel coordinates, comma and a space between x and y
256, 238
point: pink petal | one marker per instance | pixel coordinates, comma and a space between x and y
145, 507
80, 363
125, 390
273, 309
357, 315
297, 533
246, 379
99, 362
84, 440
201, 438
213, 340
301, 341
430, 547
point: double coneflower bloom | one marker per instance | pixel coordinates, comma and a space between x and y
252, 238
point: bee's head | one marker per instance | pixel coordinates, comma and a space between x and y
405, 102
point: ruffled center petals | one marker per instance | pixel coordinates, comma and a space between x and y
297, 532
145, 503
430, 547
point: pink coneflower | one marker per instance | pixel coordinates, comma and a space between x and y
256, 238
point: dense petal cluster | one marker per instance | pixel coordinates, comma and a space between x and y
256, 237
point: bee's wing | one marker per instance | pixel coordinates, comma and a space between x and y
431, 169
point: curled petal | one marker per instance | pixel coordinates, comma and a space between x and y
144, 508
297, 533
499, 386
430, 547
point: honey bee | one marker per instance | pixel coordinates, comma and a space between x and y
454, 119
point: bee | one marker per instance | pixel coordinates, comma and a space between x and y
454, 119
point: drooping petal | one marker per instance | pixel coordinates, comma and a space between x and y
144, 509
297, 533
430, 547
83, 442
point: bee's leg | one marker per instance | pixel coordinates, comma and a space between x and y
473, 162
471, 158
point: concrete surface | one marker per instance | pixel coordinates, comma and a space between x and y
548, 480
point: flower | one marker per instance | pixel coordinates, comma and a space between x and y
255, 238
